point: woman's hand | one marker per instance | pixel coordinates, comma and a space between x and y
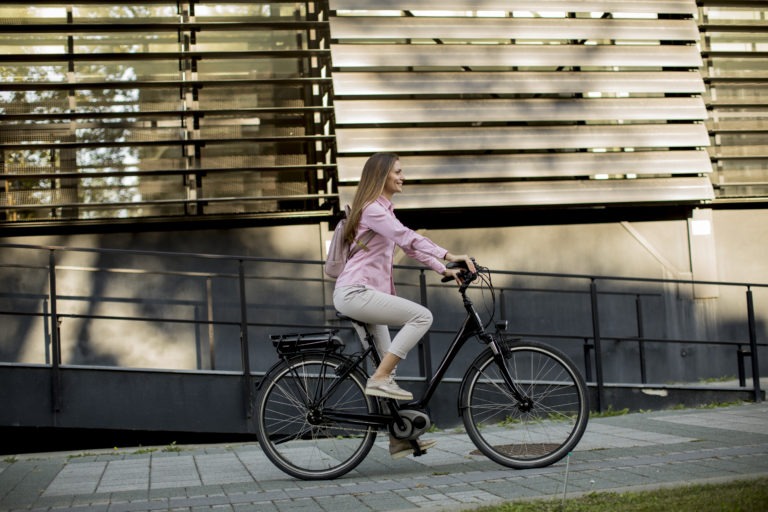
456, 258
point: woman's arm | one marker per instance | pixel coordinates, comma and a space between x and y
381, 220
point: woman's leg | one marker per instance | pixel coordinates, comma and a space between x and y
383, 342
378, 311
386, 367
381, 310
380, 335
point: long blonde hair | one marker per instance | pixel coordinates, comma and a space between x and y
371, 186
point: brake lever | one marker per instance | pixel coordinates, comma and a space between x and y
465, 275
445, 279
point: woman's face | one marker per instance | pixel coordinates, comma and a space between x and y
395, 179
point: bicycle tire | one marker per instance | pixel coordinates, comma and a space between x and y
298, 437
513, 434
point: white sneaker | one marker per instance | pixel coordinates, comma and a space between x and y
386, 388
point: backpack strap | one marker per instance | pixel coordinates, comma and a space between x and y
360, 243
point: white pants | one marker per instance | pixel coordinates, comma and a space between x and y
380, 310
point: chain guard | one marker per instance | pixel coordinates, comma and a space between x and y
415, 423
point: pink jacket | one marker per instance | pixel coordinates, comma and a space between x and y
373, 267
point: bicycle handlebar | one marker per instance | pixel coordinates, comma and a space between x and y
468, 277
465, 275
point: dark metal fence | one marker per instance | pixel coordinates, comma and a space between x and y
227, 305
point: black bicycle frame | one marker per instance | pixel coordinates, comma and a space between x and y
471, 327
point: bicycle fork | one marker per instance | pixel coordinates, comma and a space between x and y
500, 355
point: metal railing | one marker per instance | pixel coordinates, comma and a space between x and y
592, 341
238, 293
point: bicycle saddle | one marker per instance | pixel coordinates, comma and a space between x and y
348, 318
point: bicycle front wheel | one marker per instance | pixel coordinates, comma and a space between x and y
537, 432
307, 429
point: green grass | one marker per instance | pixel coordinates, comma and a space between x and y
714, 380
433, 428
609, 412
144, 451
172, 448
737, 496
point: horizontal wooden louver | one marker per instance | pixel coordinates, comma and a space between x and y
526, 193
632, 6
735, 49
535, 29
452, 110
367, 140
508, 55
166, 110
397, 83
492, 104
538, 165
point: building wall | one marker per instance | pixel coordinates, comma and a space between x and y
294, 295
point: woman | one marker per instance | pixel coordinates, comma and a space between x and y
365, 288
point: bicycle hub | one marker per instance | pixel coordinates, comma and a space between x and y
314, 416
525, 405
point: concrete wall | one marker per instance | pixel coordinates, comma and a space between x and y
294, 294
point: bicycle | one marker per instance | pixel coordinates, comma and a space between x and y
523, 403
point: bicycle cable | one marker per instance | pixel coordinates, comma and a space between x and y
483, 274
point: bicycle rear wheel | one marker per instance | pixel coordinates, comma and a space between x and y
525, 435
298, 422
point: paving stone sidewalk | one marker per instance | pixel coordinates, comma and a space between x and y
629, 452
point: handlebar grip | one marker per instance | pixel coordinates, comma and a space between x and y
452, 265
464, 274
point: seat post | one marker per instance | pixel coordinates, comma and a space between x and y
368, 339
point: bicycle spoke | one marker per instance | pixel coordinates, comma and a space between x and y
299, 423
540, 429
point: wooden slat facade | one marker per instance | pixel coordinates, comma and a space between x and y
734, 42
517, 110
553, 193
537, 165
230, 112
117, 111
453, 139
540, 105
632, 6
397, 83
458, 56
455, 28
